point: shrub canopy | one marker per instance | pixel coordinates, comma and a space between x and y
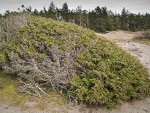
64, 56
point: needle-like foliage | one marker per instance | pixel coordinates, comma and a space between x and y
49, 54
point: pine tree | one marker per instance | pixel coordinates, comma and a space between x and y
124, 19
51, 11
52, 7
45, 11
35, 12
65, 12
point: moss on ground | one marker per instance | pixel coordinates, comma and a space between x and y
105, 74
8, 95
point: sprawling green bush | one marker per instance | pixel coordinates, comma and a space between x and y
106, 75
103, 73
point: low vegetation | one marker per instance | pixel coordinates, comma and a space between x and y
59, 56
146, 34
143, 37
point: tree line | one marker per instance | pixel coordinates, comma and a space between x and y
99, 19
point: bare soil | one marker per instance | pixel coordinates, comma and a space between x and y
122, 39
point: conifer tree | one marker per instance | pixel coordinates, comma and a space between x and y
65, 12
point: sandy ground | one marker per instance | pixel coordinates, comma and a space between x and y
140, 51
123, 39
119, 36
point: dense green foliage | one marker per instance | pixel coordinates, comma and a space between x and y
105, 74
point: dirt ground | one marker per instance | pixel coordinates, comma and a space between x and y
122, 39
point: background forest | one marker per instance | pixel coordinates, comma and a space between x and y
99, 19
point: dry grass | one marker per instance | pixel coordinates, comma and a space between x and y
139, 38
142, 41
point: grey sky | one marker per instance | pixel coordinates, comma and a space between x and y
134, 6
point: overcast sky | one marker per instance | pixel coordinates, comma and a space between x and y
134, 6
